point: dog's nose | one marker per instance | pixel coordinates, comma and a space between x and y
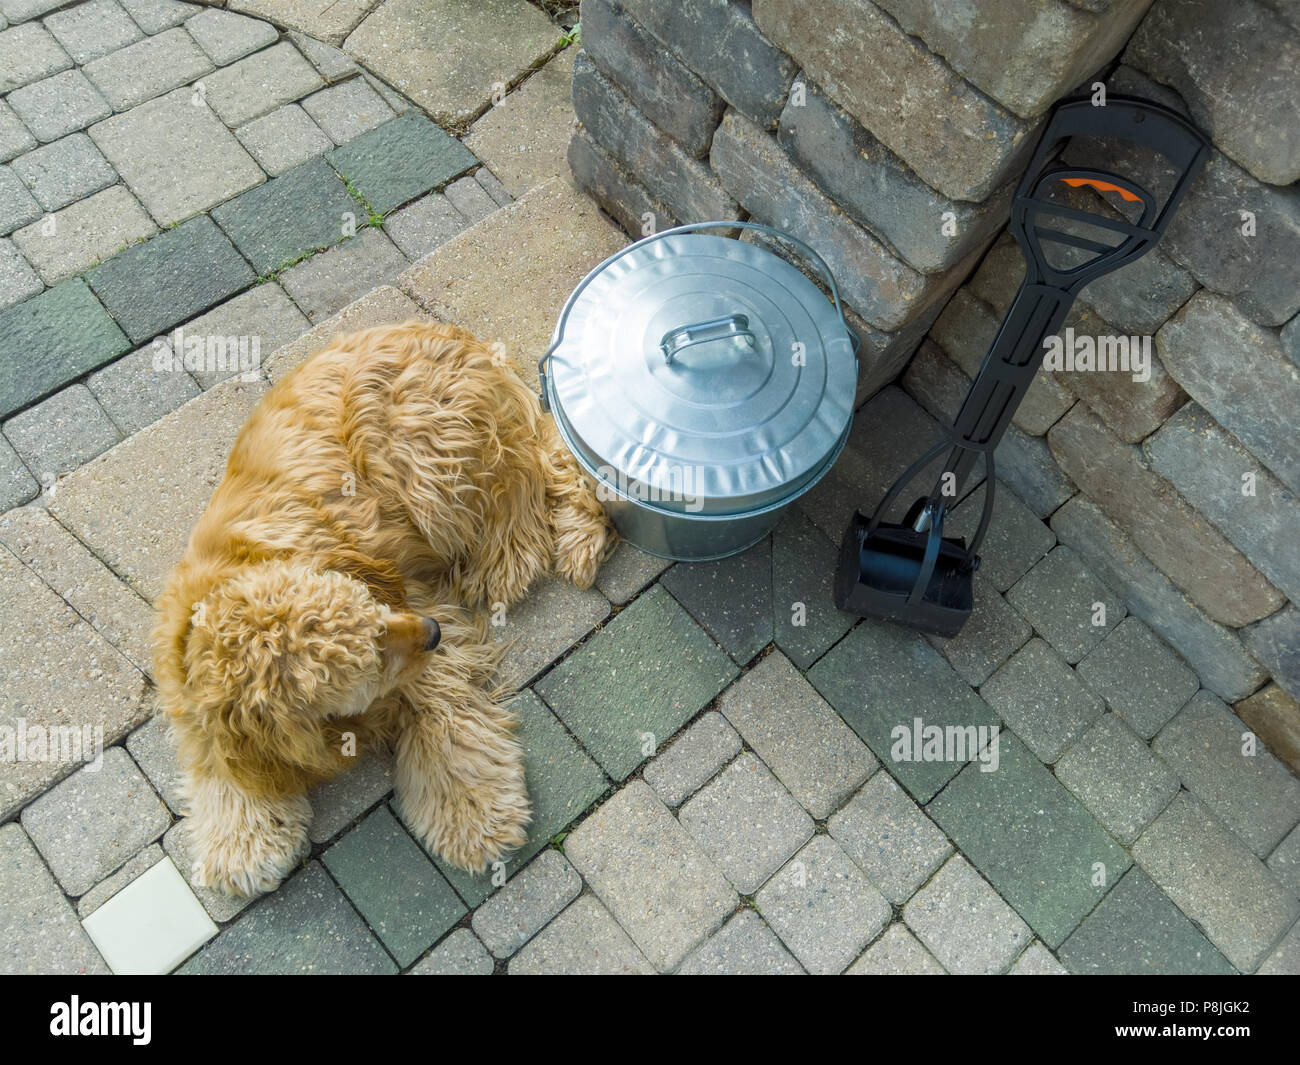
432, 634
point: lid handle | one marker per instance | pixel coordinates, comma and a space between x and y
687, 336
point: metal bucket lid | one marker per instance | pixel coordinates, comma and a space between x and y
702, 374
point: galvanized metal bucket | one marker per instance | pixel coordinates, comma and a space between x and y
704, 384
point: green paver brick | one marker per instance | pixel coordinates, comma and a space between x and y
1033, 840
1137, 930
1115, 775
401, 160
1141, 678
1255, 794
393, 885
882, 676
1058, 596
301, 211
731, 598
305, 927
52, 339
650, 670
805, 620
174, 276
562, 782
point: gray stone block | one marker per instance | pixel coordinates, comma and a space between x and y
673, 97
720, 42
617, 191
754, 169
134, 393
1285, 861
154, 752
627, 571
1060, 597
460, 954
1213, 877
584, 940
1223, 663
328, 282
84, 233
28, 53
17, 207
896, 953
17, 485
18, 281
149, 68
263, 314
424, 226
1275, 642
225, 36
1037, 960
746, 822
527, 903
62, 432
1209, 468
1236, 75
67, 170
744, 946
155, 285
1190, 551
261, 83
684, 184
692, 759
1139, 676
88, 31
283, 139
867, 61
332, 63
492, 185
88, 825
805, 743
879, 190
470, 198
347, 110
152, 16
15, 138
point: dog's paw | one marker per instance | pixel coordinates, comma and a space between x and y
476, 848
582, 542
251, 847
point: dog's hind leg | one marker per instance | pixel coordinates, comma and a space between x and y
581, 534
460, 772
242, 844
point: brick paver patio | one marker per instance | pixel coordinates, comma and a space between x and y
711, 748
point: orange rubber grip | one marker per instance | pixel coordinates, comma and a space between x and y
1105, 186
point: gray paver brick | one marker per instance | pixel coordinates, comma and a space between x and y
283, 139
668, 914
990, 636
460, 954
62, 432
341, 800
15, 138
302, 211
890, 838
649, 670
554, 616
177, 158
747, 822
60, 105
29, 53
964, 923
393, 885
152, 16
89, 824
333, 64
424, 225
347, 110
807, 745
1285, 961
148, 68
1031, 838
18, 281
61, 334
1039, 696
1115, 775
1137, 930
17, 207
583, 940
264, 314
84, 233
1037, 960
135, 394
896, 953
823, 908
226, 36
1253, 793
491, 184
1016, 539
177, 274
1214, 878
1059, 596
1141, 678
628, 569
153, 751
744, 946
692, 759
400, 161
67, 170
470, 198
91, 30
1285, 861
17, 485
260, 83
39, 927
328, 282
107, 888
526, 903
860, 678
220, 906
731, 598
305, 927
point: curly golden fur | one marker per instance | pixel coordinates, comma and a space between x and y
401, 475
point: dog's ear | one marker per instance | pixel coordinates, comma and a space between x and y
378, 574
